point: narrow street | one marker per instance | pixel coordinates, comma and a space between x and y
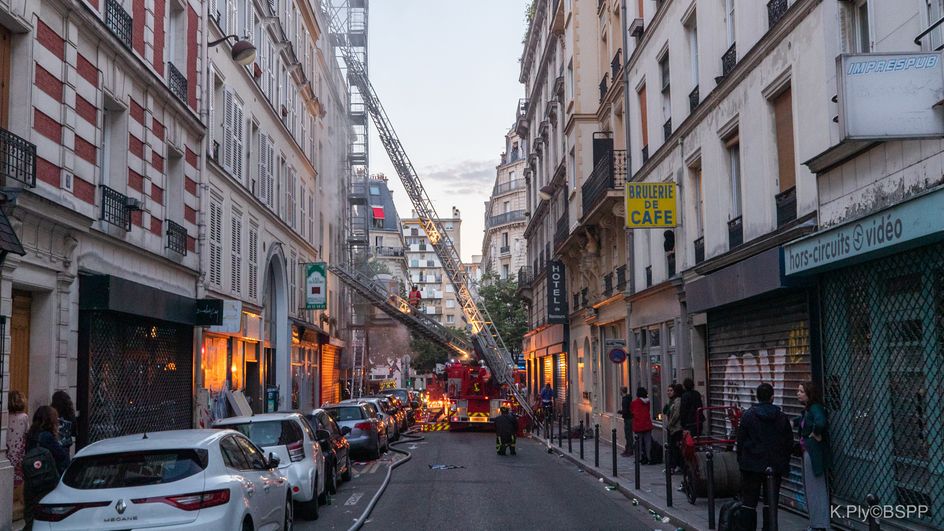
533, 490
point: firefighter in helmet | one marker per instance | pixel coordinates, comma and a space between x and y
506, 426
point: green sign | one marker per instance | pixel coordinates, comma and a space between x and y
316, 286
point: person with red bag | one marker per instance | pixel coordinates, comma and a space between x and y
641, 411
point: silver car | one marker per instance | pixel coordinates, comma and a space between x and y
384, 412
368, 433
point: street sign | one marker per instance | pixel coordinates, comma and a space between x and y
651, 205
556, 293
231, 320
208, 312
617, 355
316, 286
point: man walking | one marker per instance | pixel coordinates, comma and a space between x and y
506, 427
691, 402
626, 412
764, 439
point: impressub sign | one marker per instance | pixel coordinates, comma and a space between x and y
651, 205
890, 95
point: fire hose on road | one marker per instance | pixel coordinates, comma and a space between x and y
405, 438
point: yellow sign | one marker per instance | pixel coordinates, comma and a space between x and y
651, 205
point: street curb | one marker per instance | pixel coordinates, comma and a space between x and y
629, 494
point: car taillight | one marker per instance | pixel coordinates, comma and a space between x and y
365, 426
191, 502
296, 452
50, 512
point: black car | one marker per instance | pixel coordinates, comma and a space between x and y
409, 403
334, 444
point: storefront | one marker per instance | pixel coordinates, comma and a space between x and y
306, 349
656, 359
232, 359
330, 370
881, 281
546, 357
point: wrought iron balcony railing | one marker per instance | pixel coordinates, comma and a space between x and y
621, 278
562, 230
786, 206
693, 100
607, 284
776, 9
17, 159
616, 64
516, 184
604, 87
524, 277
118, 22
504, 249
176, 238
115, 208
176, 82
729, 60
507, 217
699, 250
384, 250
735, 232
609, 173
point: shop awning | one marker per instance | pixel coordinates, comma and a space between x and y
378, 212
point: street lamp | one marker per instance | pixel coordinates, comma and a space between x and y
243, 51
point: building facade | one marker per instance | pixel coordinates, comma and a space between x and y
426, 271
504, 249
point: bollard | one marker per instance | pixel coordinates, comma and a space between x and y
771, 501
636, 463
872, 500
596, 445
586, 417
614, 452
668, 473
560, 431
710, 473
570, 436
581, 440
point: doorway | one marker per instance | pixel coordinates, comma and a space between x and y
20, 341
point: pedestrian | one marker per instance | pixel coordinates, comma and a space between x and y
764, 439
415, 297
547, 401
673, 423
812, 425
48, 457
506, 427
62, 403
626, 412
17, 426
690, 408
642, 423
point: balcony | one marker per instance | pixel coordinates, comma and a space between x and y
608, 174
525, 276
786, 206
621, 278
521, 117
729, 60
616, 64
693, 100
388, 251
562, 230
516, 184
735, 232
504, 250
700, 250
17, 159
176, 82
576, 305
507, 217
667, 130
176, 238
584, 294
776, 9
607, 284
118, 22
604, 86
115, 208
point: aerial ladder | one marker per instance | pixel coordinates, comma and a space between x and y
487, 342
398, 308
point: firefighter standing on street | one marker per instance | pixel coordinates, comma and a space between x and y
506, 426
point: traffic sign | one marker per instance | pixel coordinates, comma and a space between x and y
651, 205
617, 355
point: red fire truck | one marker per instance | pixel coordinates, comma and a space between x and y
474, 396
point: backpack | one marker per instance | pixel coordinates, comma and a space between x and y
40, 474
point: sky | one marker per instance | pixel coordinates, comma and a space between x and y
446, 72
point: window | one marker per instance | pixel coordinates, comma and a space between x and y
450, 319
266, 192
570, 80
504, 272
216, 243
134, 469
691, 30
450, 303
729, 20
664, 71
302, 224
374, 189
734, 175
506, 207
114, 161
504, 239
860, 18
783, 120
290, 192
935, 11
698, 199
236, 249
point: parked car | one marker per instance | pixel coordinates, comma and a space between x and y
385, 413
182, 479
335, 447
289, 436
402, 413
409, 400
368, 433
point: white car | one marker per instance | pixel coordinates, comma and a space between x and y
182, 479
289, 436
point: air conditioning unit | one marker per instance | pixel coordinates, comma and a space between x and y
132, 203
636, 28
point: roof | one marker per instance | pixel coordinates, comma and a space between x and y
9, 243
262, 417
157, 440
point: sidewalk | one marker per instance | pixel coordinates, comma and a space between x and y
652, 488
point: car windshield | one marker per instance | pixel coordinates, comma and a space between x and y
342, 414
134, 469
268, 432
401, 394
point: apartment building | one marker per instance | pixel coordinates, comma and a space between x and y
387, 240
504, 249
276, 190
426, 271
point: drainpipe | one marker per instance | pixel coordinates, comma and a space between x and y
630, 266
204, 187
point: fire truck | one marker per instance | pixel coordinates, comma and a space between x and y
474, 396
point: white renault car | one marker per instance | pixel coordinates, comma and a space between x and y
289, 436
183, 479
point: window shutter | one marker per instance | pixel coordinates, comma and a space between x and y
253, 262
237, 141
216, 244
237, 258
270, 173
263, 181
301, 208
228, 129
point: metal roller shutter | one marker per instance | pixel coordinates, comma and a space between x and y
561, 384
763, 341
330, 390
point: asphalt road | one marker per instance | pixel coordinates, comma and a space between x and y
479, 490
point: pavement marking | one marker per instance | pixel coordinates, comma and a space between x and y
356, 497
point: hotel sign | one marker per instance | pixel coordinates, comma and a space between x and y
556, 293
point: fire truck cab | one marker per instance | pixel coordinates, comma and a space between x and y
475, 399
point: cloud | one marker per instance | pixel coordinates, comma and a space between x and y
464, 178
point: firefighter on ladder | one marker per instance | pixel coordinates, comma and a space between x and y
415, 297
506, 426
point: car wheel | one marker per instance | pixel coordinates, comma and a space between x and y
247, 524
289, 522
309, 509
376, 453
331, 484
323, 497
348, 471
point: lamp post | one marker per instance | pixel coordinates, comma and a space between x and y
243, 51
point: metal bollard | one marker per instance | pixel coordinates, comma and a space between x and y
771, 501
614, 452
872, 500
581, 440
636, 452
586, 417
710, 473
560, 431
596, 445
668, 473
570, 436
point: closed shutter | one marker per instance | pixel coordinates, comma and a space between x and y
237, 140
253, 261
228, 129
561, 384
263, 169
767, 341
216, 244
783, 117
270, 173
236, 263
330, 391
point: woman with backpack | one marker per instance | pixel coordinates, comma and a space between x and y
813, 446
45, 460
62, 403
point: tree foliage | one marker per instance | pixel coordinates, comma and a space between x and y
426, 353
507, 310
